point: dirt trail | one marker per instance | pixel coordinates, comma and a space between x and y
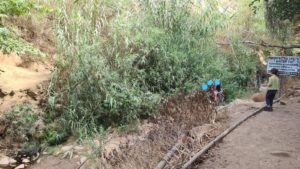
20, 80
269, 140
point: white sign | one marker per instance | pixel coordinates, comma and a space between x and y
287, 65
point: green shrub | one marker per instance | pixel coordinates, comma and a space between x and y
19, 7
55, 134
119, 62
24, 124
10, 43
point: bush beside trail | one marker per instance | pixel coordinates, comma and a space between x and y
119, 65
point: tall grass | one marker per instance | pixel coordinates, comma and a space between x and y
118, 59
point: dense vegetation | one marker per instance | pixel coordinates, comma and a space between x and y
281, 16
120, 60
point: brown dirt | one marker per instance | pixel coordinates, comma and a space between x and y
51, 162
180, 117
152, 138
39, 33
268, 141
23, 80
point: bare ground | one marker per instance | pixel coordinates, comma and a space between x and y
22, 80
51, 162
270, 140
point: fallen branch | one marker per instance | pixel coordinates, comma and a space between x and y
82, 164
266, 45
272, 46
168, 156
221, 136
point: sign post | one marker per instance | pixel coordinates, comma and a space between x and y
286, 65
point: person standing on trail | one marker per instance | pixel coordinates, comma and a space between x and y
273, 87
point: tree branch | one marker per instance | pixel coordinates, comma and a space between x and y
266, 45
272, 46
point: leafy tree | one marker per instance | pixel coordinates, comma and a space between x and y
280, 15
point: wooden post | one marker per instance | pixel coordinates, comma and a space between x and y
282, 82
258, 80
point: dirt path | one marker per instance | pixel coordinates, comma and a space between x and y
271, 140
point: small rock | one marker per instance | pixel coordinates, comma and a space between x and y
259, 97
4, 161
282, 103
297, 93
39, 86
96, 142
20, 166
12, 161
38, 161
66, 148
12, 93
25, 161
79, 148
34, 158
83, 159
31, 94
45, 153
2, 93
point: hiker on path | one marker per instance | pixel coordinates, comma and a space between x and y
273, 87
